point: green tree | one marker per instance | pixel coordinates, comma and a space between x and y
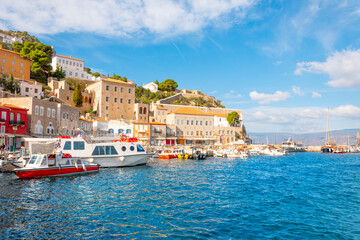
17, 46
88, 70
96, 74
77, 96
41, 57
233, 118
157, 82
124, 79
59, 73
73, 82
4, 46
168, 85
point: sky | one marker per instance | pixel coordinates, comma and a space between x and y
285, 64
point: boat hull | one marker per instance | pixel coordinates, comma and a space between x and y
55, 172
120, 161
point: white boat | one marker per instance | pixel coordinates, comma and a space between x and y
292, 146
231, 154
273, 152
114, 153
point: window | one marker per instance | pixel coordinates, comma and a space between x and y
196, 122
206, 123
128, 131
182, 122
121, 100
2, 67
2, 130
121, 89
48, 112
53, 113
22, 64
129, 90
3, 115
107, 99
67, 145
192, 122
3, 60
18, 117
129, 101
178, 122
99, 150
200, 123
27, 89
12, 62
110, 150
132, 148
115, 89
21, 71
76, 74
70, 73
107, 87
41, 111
36, 110
82, 75
79, 145
187, 122
140, 148
123, 148
12, 69
115, 99
107, 108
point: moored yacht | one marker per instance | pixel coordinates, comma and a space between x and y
292, 146
115, 153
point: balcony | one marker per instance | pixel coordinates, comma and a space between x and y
13, 122
157, 130
2, 120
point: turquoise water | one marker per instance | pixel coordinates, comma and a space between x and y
300, 196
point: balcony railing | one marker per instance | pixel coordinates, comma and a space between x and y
13, 122
2, 119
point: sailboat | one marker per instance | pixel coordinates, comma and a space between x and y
329, 147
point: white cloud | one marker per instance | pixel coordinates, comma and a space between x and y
300, 119
264, 98
342, 67
346, 111
297, 91
127, 18
316, 95
232, 94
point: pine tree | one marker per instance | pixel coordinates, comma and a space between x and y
77, 96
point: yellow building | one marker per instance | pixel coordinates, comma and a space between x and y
142, 131
12, 63
113, 99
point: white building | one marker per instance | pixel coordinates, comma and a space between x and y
30, 89
153, 87
114, 127
9, 39
71, 66
221, 121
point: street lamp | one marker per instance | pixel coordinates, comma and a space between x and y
15, 129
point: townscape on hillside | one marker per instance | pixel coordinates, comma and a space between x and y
44, 94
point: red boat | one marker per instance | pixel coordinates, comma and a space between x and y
51, 165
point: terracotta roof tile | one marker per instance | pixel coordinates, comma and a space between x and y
13, 106
70, 58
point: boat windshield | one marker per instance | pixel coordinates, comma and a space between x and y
33, 159
140, 148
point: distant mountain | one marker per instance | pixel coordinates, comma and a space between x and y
309, 139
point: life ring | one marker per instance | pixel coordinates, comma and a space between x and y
123, 138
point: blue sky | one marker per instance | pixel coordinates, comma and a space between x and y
282, 62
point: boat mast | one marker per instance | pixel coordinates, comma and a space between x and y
328, 123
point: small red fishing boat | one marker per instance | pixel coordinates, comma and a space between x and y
55, 165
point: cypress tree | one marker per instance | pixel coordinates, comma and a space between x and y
77, 96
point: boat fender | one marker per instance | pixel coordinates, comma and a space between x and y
122, 158
83, 166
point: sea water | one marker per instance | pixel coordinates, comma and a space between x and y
300, 196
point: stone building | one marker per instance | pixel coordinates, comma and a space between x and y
113, 99
50, 117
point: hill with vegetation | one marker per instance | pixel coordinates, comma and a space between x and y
21, 34
198, 101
